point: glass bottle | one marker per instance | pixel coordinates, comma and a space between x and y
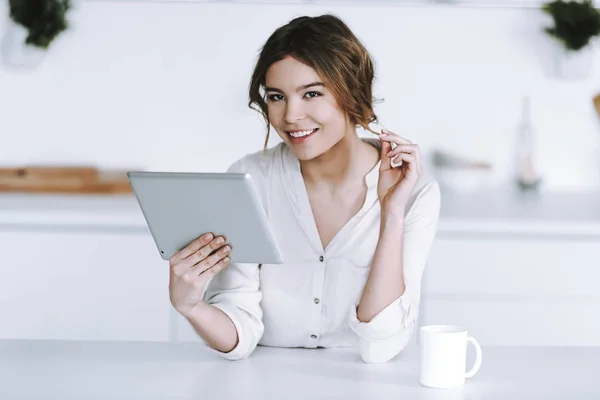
527, 174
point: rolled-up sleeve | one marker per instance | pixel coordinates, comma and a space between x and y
236, 291
388, 333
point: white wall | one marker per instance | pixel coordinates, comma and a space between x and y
163, 86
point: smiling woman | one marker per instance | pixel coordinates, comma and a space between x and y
354, 230
325, 49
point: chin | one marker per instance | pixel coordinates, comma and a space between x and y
305, 154
308, 153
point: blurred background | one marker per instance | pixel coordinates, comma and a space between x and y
504, 114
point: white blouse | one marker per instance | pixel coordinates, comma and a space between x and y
310, 301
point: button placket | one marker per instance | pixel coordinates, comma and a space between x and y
316, 300
318, 290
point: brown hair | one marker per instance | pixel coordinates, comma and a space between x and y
326, 44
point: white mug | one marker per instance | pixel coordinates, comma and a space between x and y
444, 356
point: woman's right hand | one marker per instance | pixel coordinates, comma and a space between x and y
191, 269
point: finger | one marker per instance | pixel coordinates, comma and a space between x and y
403, 148
211, 260
409, 158
184, 265
386, 147
390, 136
216, 268
204, 252
191, 248
411, 162
199, 280
407, 149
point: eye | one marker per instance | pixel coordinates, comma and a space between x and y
274, 97
312, 94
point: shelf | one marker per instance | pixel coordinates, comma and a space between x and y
373, 3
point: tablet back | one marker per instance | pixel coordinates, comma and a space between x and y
181, 206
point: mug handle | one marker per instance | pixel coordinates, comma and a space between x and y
479, 356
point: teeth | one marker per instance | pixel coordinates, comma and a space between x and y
301, 133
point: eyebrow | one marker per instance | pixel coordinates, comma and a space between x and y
299, 88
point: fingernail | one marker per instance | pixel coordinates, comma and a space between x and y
219, 240
207, 236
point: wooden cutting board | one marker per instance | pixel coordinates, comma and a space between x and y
63, 179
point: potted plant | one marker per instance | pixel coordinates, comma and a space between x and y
32, 28
576, 24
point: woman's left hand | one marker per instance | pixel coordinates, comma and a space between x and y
396, 184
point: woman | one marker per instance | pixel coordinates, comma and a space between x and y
355, 232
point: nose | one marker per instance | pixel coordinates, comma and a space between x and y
294, 111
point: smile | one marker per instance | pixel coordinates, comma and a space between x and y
300, 134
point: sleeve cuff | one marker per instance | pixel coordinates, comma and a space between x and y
246, 343
388, 322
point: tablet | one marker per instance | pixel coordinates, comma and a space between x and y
181, 206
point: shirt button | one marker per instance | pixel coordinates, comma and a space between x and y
313, 336
316, 300
321, 258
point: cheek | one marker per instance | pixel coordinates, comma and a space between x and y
273, 113
335, 120
326, 113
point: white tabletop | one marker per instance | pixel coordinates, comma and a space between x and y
83, 370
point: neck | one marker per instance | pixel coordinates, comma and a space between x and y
346, 163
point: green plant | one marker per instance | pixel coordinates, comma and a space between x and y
44, 19
575, 22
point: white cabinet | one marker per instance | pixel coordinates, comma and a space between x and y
78, 284
516, 290
527, 267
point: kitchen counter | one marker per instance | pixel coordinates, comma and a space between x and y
121, 370
111, 211
518, 213
485, 212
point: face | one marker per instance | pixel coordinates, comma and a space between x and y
302, 110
